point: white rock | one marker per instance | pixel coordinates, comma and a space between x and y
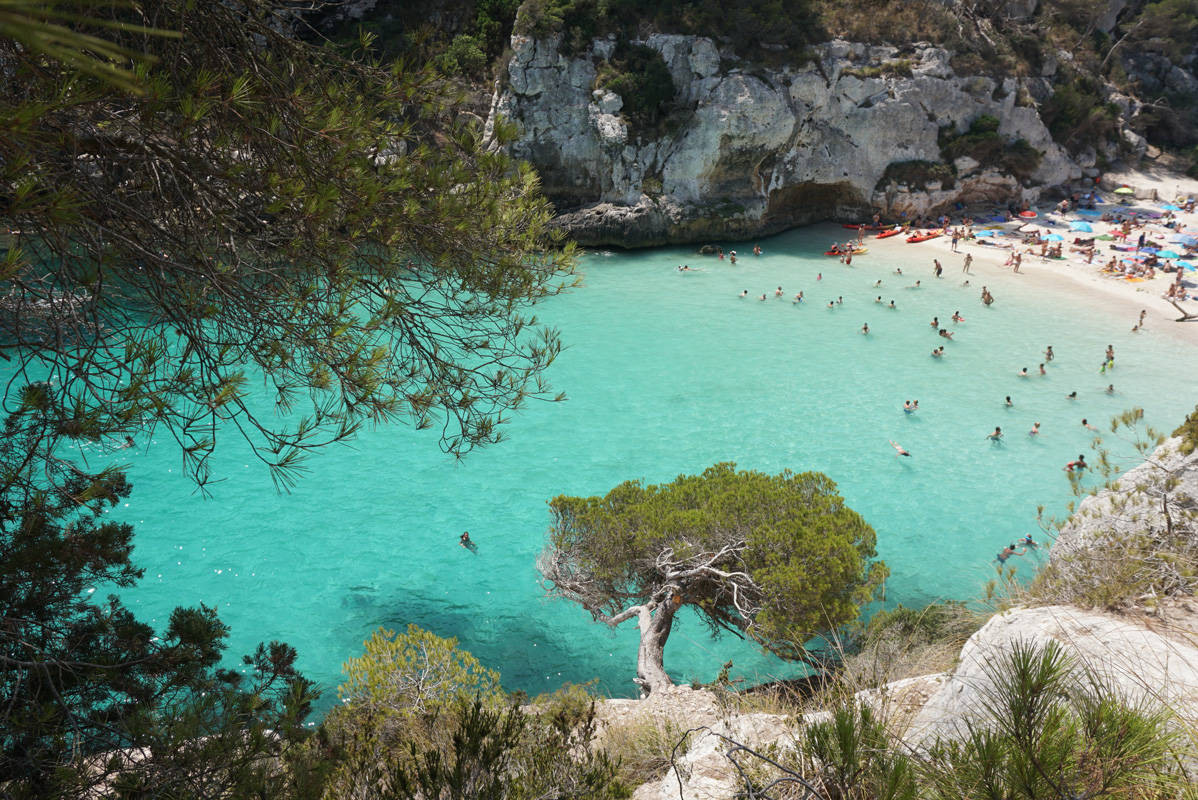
753, 140
1142, 663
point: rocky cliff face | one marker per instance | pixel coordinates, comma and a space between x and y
755, 151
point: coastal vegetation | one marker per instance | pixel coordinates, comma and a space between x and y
777, 558
200, 202
231, 206
1044, 728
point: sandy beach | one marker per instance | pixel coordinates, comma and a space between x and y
1081, 285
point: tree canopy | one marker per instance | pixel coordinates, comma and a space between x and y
777, 558
209, 225
262, 212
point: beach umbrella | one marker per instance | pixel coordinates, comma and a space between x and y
1081, 226
1055, 237
1027, 214
1167, 254
982, 234
1125, 190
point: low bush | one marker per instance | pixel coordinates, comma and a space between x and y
917, 174
640, 76
983, 143
643, 746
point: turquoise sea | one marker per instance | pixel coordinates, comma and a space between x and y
666, 373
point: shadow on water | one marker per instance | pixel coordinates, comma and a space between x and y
533, 661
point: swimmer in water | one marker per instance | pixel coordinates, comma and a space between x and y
1023, 372
957, 317
745, 293
878, 284
1077, 466
839, 300
892, 306
878, 299
1007, 552
762, 296
938, 352
1048, 355
798, 297
898, 271
898, 448
819, 276
908, 406
1086, 424
831, 304
865, 329
1008, 402
465, 541
1042, 372
1028, 541
916, 285
1035, 431
778, 292
946, 333
935, 323
1110, 388
996, 436
1071, 396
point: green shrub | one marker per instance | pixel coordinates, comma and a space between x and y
640, 76
983, 143
415, 672
464, 56
1188, 431
1076, 114
917, 174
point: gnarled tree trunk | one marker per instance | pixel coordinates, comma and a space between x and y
655, 630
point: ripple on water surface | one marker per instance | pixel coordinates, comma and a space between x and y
666, 372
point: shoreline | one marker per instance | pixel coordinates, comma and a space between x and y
1079, 283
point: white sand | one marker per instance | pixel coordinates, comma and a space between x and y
1076, 282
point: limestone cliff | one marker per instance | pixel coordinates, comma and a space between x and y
752, 150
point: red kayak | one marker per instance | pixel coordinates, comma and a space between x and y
892, 232
921, 238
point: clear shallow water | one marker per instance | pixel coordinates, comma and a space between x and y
666, 374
